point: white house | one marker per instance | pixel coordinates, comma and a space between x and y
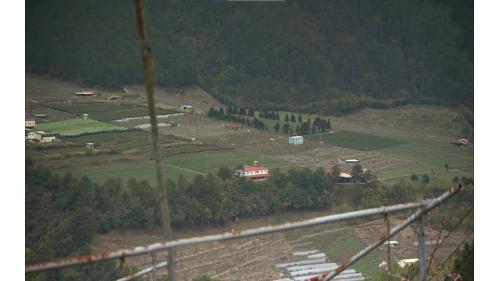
34, 136
29, 123
296, 140
48, 138
41, 136
254, 172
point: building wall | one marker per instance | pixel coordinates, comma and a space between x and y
48, 139
34, 136
296, 140
29, 123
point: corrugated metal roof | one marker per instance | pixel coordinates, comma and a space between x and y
316, 256
313, 265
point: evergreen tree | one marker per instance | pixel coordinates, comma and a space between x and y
425, 179
277, 127
286, 128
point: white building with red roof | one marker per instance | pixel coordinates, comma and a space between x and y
254, 172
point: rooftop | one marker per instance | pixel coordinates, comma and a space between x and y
252, 168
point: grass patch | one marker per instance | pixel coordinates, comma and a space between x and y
211, 161
430, 158
141, 170
343, 245
357, 140
77, 126
188, 165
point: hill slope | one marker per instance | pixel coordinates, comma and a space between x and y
281, 53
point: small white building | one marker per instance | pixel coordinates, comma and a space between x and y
352, 161
295, 140
186, 106
48, 138
29, 123
404, 262
34, 136
41, 136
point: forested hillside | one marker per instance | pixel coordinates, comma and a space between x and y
350, 53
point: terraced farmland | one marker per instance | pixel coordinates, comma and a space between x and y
106, 111
71, 127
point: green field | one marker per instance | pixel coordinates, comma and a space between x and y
342, 245
356, 140
188, 165
429, 157
107, 111
77, 126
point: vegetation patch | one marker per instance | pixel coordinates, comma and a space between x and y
439, 160
210, 161
343, 245
356, 140
189, 163
78, 126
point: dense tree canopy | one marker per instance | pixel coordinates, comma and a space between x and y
64, 212
352, 53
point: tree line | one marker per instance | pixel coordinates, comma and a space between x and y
319, 125
247, 117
